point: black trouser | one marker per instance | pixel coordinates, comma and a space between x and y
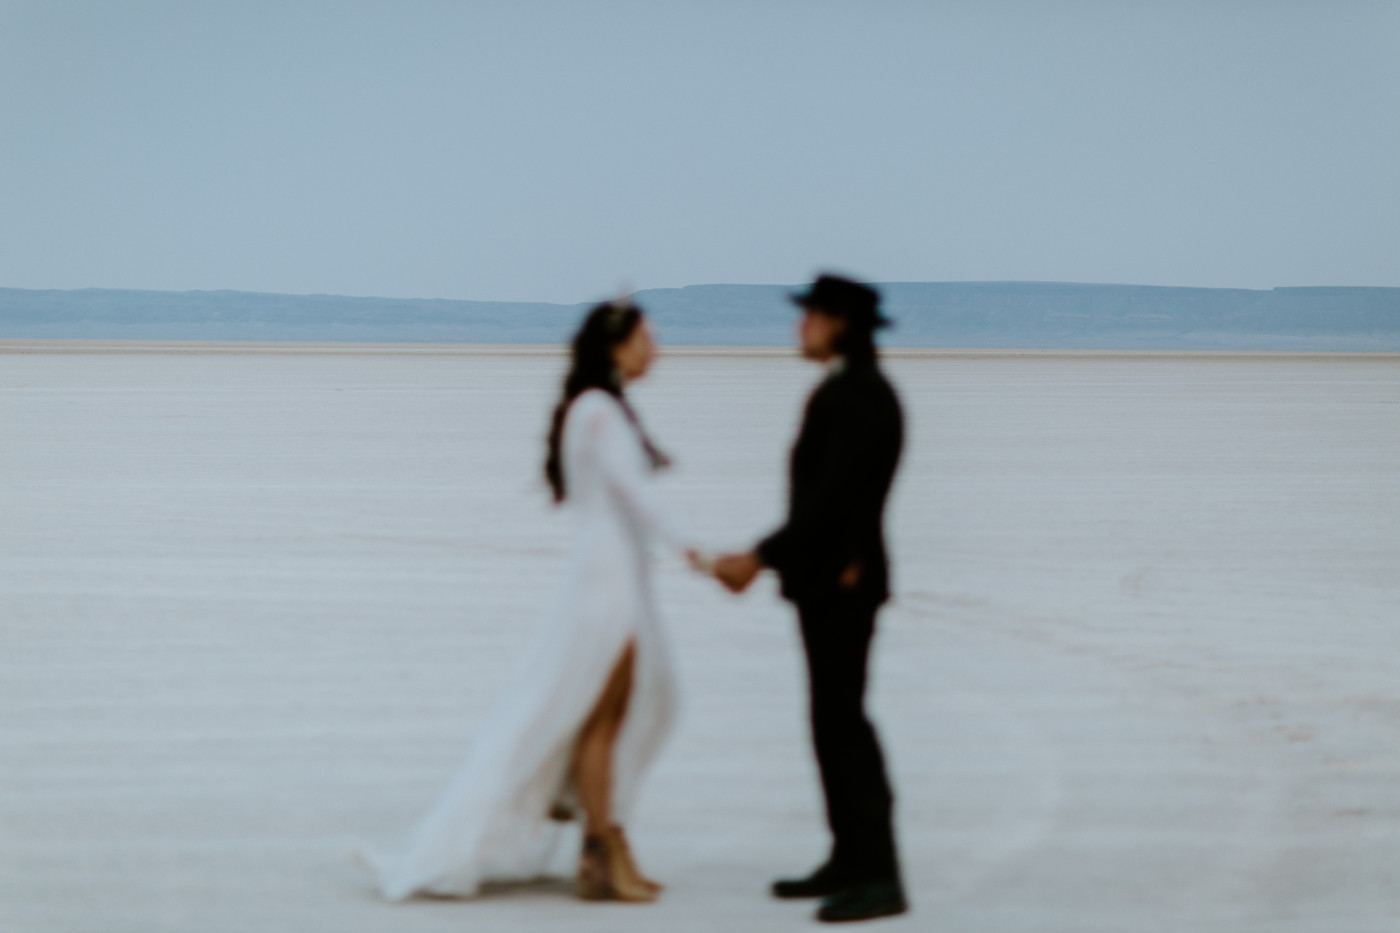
836, 633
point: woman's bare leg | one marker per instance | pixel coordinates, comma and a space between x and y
593, 753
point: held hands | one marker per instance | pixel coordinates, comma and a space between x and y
737, 571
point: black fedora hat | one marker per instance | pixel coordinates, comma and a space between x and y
844, 298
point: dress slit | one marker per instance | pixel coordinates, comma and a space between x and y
493, 820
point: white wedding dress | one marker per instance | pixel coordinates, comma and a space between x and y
492, 822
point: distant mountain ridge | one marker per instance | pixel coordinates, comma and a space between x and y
1028, 315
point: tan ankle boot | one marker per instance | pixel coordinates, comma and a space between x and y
617, 841
604, 872
594, 880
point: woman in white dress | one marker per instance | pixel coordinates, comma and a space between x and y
587, 712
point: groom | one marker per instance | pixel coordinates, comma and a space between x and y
830, 556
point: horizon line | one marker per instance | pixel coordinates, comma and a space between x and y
574, 304
87, 345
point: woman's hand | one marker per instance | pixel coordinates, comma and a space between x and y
700, 561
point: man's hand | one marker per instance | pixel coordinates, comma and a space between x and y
737, 571
850, 577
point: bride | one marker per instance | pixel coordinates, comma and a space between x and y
586, 714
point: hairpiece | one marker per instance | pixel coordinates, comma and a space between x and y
617, 313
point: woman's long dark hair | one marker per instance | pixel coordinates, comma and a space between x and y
606, 327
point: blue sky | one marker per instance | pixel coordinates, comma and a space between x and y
554, 151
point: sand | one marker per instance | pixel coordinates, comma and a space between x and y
1142, 672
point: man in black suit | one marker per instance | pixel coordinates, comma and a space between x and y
830, 557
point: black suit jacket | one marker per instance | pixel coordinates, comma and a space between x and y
841, 469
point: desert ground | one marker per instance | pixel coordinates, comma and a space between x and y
1141, 673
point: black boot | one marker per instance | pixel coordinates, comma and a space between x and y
824, 882
865, 900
